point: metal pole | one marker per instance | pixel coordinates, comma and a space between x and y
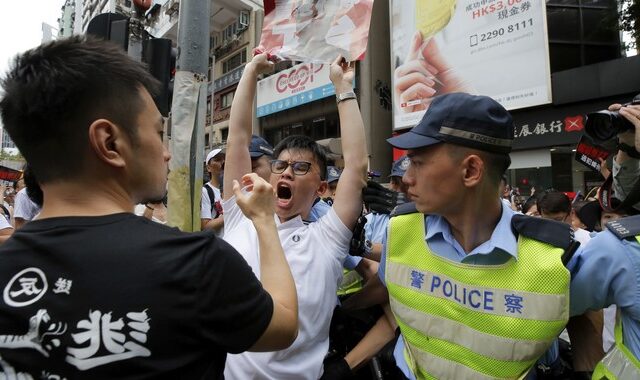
188, 115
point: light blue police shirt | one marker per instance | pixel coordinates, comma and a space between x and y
607, 272
497, 250
376, 227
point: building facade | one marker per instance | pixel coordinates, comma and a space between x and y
91, 8
235, 31
589, 71
67, 20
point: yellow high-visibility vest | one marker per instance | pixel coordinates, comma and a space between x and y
462, 321
619, 362
351, 282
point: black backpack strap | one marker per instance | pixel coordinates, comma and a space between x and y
548, 231
403, 209
212, 197
6, 213
625, 228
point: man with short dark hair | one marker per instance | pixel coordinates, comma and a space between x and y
92, 291
462, 271
315, 250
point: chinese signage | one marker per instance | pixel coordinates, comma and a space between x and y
496, 48
316, 30
228, 79
554, 125
301, 84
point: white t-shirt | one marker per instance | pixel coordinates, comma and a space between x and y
4, 223
581, 236
23, 206
315, 253
205, 204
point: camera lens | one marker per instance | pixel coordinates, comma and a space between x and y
600, 125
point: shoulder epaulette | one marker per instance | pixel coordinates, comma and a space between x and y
403, 209
547, 231
626, 227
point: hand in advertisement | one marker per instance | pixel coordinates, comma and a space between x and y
424, 74
255, 198
342, 74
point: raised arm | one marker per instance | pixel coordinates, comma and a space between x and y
275, 275
238, 161
348, 198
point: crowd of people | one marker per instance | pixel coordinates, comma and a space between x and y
302, 270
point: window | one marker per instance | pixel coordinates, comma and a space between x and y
214, 40
235, 61
230, 31
226, 99
243, 20
581, 32
206, 140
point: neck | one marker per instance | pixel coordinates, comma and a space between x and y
79, 198
215, 181
475, 222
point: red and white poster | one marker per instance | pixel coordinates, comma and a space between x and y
316, 30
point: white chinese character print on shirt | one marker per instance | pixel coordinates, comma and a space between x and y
99, 331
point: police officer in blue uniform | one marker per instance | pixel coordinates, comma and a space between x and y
607, 270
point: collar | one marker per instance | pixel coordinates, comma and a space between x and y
502, 237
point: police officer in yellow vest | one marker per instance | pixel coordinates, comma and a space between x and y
607, 270
477, 291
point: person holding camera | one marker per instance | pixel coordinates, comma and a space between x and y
607, 271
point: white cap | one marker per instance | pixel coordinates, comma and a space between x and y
212, 154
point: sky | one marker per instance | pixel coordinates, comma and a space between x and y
21, 26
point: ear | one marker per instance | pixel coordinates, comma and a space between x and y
322, 188
107, 141
473, 170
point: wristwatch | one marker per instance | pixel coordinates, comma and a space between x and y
345, 96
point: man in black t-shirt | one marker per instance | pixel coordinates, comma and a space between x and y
93, 291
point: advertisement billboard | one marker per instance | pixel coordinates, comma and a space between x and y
496, 48
301, 84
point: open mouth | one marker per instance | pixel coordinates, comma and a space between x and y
283, 192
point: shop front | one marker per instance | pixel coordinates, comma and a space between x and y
544, 148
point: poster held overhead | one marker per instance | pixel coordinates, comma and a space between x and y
316, 30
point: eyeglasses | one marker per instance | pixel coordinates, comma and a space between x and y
299, 167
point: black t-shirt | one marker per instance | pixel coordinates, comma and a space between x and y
119, 296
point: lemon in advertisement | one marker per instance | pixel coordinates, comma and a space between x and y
433, 15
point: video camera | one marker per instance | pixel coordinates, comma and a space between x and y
605, 125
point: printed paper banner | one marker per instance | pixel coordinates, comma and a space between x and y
301, 84
496, 48
589, 153
316, 30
